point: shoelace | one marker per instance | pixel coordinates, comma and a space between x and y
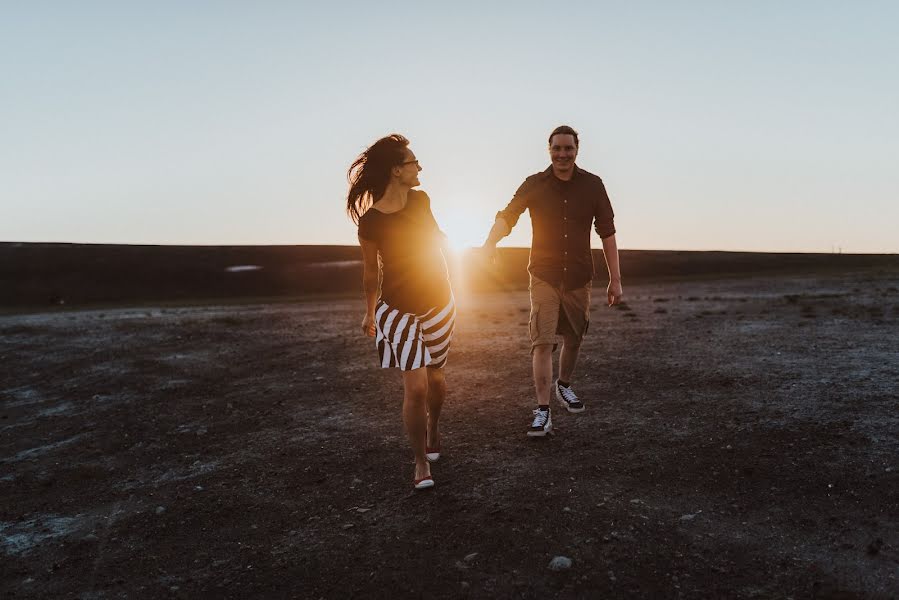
540, 417
567, 394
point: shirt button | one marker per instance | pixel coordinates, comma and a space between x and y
566, 235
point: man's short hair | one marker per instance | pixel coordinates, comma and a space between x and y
565, 130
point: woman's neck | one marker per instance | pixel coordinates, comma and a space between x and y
394, 198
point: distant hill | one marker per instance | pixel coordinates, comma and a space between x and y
44, 275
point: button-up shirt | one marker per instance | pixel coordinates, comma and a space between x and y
562, 214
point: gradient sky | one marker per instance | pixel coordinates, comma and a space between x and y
769, 126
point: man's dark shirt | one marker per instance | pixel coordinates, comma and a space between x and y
562, 213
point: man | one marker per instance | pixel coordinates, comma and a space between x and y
564, 202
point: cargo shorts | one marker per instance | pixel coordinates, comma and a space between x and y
557, 311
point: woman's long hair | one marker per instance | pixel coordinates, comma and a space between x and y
370, 173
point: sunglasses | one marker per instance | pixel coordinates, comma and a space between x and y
410, 162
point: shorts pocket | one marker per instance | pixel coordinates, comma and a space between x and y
533, 329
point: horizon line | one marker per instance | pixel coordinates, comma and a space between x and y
466, 249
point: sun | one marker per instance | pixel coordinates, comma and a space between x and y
462, 234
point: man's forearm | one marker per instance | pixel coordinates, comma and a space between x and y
499, 230
610, 251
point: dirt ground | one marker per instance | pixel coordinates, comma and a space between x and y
741, 440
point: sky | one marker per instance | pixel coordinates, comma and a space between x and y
759, 126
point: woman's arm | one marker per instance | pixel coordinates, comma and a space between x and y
371, 277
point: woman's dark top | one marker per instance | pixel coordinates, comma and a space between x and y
415, 277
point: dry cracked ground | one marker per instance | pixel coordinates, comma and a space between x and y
740, 441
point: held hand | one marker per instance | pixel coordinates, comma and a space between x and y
487, 254
368, 325
615, 293
494, 256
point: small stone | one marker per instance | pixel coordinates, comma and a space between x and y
160, 510
566, 509
559, 563
362, 510
465, 586
91, 538
471, 557
687, 517
348, 526
875, 546
202, 431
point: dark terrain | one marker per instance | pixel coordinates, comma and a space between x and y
741, 439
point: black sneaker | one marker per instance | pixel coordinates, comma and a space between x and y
543, 423
567, 397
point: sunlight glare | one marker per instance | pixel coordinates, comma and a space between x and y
462, 233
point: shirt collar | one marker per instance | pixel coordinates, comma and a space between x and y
548, 173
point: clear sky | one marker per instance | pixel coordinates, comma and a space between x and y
717, 125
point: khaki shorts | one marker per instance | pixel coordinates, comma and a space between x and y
558, 312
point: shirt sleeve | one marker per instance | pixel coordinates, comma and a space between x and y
516, 206
603, 216
430, 215
366, 228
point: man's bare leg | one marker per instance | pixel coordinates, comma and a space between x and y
571, 348
567, 360
542, 365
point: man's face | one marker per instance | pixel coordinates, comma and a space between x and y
562, 151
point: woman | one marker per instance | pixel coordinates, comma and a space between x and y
413, 319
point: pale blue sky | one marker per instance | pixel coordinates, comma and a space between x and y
716, 125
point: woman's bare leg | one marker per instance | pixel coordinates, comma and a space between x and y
436, 395
415, 416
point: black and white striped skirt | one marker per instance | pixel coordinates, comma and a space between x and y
410, 341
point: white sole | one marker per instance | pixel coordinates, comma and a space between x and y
423, 485
433, 456
540, 433
565, 404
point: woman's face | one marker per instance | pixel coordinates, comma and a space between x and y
409, 170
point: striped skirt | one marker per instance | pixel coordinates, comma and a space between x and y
411, 341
